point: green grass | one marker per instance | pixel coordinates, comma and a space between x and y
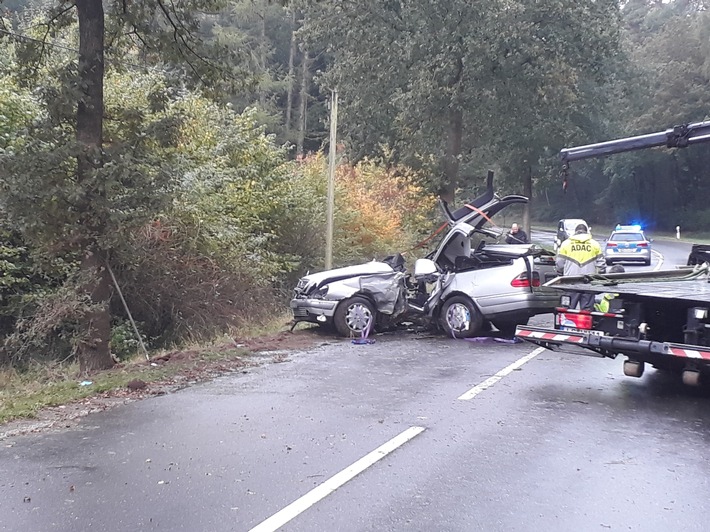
23, 394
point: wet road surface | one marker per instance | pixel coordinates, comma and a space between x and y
559, 442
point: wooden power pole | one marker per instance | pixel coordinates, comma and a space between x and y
332, 152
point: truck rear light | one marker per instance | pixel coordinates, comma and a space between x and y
574, 319
700, 313
522, 281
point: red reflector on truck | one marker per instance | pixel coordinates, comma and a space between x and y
572, 319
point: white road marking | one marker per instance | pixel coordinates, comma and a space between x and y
298, 506
660, 260
490, 381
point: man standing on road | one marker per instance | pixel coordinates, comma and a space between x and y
580, 254
516, 235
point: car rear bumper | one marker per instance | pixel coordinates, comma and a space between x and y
644, 255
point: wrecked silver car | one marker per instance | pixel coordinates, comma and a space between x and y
467, 283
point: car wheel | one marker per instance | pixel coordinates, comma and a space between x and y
507, 328
354, 316
460, 318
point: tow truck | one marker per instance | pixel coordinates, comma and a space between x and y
661, 318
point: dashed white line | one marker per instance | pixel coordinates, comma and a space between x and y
298, 506
490, 381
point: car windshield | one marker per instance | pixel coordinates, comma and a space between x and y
626, 237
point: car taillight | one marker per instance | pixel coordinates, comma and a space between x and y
572, 319
610, 245
642, 245
522, 281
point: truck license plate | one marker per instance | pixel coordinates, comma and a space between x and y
583, 331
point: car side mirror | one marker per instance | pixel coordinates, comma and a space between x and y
425, 268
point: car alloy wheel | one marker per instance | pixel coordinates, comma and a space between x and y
460, 318
354, 316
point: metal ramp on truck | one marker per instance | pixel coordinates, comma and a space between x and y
688, 359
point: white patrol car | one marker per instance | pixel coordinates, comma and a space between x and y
627, 243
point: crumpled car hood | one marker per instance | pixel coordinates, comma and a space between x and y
315, 280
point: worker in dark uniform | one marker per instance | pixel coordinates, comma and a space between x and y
580, 254
516, 235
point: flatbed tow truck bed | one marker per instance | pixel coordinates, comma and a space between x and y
687, 283
661, 318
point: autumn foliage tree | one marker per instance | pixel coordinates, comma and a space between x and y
379, 210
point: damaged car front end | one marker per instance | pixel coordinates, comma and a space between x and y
354, 299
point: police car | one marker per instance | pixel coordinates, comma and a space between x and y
627, 243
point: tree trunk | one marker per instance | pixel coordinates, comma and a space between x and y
303, 109
453, 151
291, 79
93, 350
262, 55
528, 192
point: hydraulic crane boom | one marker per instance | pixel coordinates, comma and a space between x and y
675, 137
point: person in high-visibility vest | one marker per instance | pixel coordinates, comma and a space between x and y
580, 254
603, 305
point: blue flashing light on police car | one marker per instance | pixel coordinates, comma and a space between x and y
635, 227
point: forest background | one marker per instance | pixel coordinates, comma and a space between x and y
177, 150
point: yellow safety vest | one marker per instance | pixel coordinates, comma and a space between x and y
603, 305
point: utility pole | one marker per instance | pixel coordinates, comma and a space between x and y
331, 179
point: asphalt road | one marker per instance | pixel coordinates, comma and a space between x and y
468, 435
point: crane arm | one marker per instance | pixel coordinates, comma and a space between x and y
675, 137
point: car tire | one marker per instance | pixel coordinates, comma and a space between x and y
354, 316
460, 317
507, 327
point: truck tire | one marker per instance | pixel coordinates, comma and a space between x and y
460, 317
691, 378
354, 316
